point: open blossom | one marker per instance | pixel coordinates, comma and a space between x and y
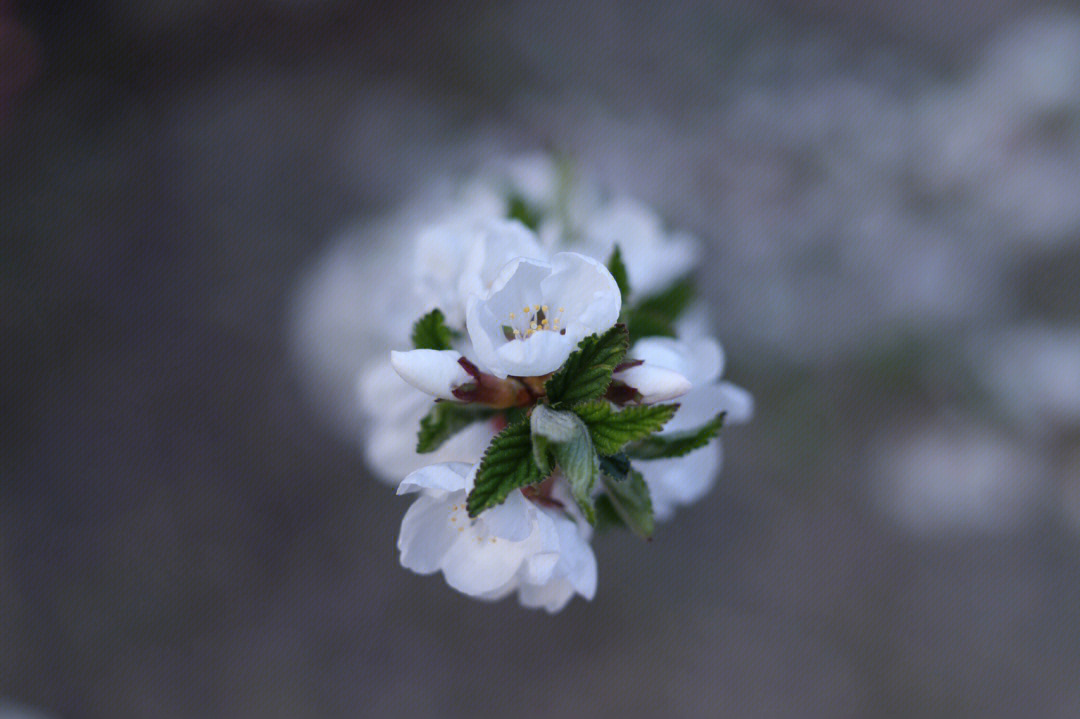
517, 546
684, 480
536, 312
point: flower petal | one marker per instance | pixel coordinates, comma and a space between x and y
427, 532
510, 520
476, 565
682, 480
447, 477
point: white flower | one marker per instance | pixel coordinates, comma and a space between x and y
436, 372
686, 479
496, 244
535, 313
395, 409
456, 259
517, 545
653, 258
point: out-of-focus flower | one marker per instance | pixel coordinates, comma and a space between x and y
516, 546
455, 261
654, 257
683, 480
957, 476
536, 312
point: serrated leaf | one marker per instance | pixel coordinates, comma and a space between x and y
431, 333
612, 430
656, 314
631, 501
676, 445
444, 421
507, 465
616, 466
607, 517
586, 373
617, 268
566, 437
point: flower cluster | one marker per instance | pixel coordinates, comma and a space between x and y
557, 328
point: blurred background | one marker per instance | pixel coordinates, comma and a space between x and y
890, 197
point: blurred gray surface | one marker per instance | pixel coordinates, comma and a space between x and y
896, 534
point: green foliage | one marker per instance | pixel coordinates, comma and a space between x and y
444, 421
431, 333
507, 465
612, 430
606, 516
618, 270
626, 501
616, 466
656, 314
631, 502
587, 372
661, 447
519, 209
566, 438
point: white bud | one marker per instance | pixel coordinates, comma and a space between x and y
655, 384
436, 372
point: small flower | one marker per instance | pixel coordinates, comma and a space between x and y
536, 312
684, 480
436, 372
654, 258
456, 260
516, 546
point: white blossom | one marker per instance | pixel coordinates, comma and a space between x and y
653, 257
454, 260
683, 480
517, 546
536, 312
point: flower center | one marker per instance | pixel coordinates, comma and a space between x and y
533, 319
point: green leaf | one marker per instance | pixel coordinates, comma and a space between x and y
586, 373
676, 445
444, 421
616, 466
431, 333
566, 437
656, 314
631, 501
507, 465
606, 515
519, 209
612, 430
617, 268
